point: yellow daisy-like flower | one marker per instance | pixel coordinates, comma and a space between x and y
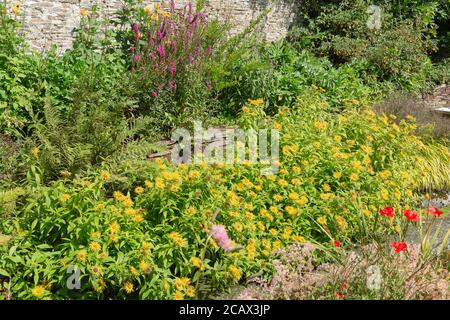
105, 175
277, 126
38, 291
191, 210
96, 270
277, 197
326, 196
299, 239
139, 190
148, 184
354, 177
114, 227
337, 175
256, 103
295, 182
294, 196
291, 210
197, 262
302, 201
147, 246
190, 291
273, 232
235, 272
35, 152
144, 266
177, 239
238, 226
246, 109
356, 165
178, 295
128, 287
321, 125
342, 223
82, 255
322, 220
95, 246
65, 197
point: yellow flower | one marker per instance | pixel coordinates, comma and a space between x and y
246, 109
139, 190
82, 255
299, 239
114, 227
326, 196
342, 223
147, 10
236, 273
38, 291
194, 174
190, 291
295, 182
104, 175
321, 125
144, 266
178, 295
277, 197
159, 183
95, 246
302, 201
100, 206
147, 246
322, 220
337, 175
354, 177
356, 165
96, 270
238, 226
337, 138
84, 12
178, 239
128, 287
256, 103
133, 271
197, 262
384, 194
291, 210
148, 184
294, 196
35, 152
385, 174
273, 232
316, 145
65, 197
277, 126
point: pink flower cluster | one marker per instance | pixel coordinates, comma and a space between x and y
174, 45
220, 235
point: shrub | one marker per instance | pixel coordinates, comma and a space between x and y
396, 52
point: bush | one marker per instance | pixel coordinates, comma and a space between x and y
396, 52
152, 240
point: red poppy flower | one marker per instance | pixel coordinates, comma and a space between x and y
344, 286
435, 211
336, 243
411, 215
399, 246
388, 211
339, 295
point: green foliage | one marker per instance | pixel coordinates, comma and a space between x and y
396, 53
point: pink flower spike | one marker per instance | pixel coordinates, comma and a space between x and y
219, 234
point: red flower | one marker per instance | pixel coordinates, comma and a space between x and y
336, 243
388, 211
339, 295
435, 211
399, 246
411, 215
344, 286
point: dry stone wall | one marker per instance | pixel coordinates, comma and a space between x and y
49, 22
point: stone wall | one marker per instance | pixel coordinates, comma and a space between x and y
48, 22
